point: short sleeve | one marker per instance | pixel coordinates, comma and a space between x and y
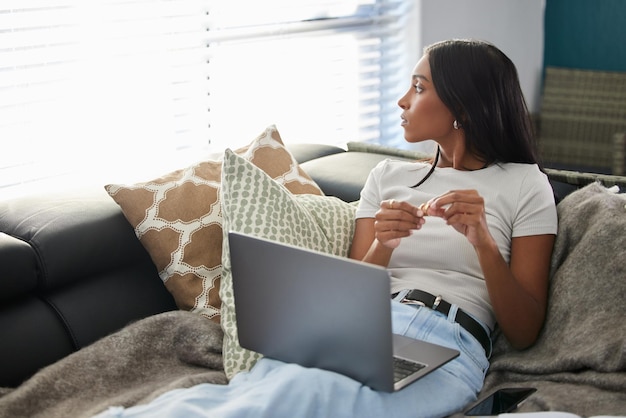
536, 211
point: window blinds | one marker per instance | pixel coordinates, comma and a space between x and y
322, 71
92, 85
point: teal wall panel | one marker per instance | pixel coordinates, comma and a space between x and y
586, 34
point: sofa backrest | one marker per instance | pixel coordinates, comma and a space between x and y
72, 272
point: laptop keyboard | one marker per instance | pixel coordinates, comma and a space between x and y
403, 368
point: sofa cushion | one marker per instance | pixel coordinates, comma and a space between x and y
19, 268
177, 218
73, 272
32, 337
253, 203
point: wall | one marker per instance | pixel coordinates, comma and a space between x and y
515, 26
586, 34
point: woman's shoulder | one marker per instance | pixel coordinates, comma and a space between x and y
527, 179
397, 171
523, 171
400, 165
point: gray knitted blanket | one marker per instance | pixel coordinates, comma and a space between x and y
138, 363
578, 364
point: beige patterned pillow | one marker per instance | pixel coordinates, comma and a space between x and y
255, 204
178, 220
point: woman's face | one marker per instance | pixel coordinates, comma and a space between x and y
424, 115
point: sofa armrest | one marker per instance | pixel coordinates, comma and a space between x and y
73, 272
307, 152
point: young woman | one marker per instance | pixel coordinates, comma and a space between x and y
485, 233
467, 239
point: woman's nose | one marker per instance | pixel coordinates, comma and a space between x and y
402, 102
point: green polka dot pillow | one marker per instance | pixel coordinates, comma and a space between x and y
254, 204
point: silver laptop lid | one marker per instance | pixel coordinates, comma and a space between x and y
313, 309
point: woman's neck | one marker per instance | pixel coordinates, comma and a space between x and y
458, 158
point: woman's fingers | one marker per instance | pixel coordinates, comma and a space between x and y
396, 220
465, 202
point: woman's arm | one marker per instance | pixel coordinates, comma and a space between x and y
365, 247
518, 290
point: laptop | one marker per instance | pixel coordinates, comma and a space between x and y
319, 310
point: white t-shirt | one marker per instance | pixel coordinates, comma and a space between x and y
437, 259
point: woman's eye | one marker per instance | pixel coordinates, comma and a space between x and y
418, 88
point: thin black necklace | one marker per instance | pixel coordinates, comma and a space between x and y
432, 168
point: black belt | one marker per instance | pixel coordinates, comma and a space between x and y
436, 303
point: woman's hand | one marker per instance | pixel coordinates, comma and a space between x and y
464, 210
396, 220
376, 238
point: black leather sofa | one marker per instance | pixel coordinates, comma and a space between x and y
73, 271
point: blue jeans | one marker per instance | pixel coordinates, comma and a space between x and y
276, 389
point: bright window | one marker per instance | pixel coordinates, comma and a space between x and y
121, 90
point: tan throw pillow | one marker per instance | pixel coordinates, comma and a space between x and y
254, 204
178, 219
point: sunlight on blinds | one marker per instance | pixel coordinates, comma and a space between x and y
91, 85
311, 97
321, 71
121, 90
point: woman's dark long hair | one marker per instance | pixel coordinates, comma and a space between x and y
480, 86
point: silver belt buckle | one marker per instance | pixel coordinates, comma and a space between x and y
407, 301
436, 303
